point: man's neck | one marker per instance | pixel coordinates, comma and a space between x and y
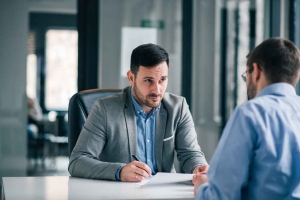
143, 106
262, 83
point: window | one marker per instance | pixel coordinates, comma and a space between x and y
31, 68
61, 68
31, 76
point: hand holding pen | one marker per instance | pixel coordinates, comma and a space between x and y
135, 171
137, 159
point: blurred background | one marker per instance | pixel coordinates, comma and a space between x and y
51, 49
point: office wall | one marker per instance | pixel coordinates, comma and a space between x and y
13, 102
206, 74
57, 6
110, 23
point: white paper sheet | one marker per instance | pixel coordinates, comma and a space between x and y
144, 182
167, 178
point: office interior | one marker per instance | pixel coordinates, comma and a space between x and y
51, 49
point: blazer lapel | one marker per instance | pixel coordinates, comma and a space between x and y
160, 129
130, 121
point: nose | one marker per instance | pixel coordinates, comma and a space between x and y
156, 88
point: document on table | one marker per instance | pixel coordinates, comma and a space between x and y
167, 178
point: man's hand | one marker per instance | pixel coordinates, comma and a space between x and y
201, 169
135, 172
198, 180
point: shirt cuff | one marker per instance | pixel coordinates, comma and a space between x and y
118, 172
199, 193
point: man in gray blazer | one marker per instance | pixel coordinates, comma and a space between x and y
141, 120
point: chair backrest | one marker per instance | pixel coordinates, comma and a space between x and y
79, 108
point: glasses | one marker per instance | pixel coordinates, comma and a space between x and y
244, 75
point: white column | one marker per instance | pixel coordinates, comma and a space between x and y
13, 101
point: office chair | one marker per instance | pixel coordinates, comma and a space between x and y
80, 106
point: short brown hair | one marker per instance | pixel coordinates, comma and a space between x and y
147, 55
279, 58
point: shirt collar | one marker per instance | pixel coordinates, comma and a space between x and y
279, 89
138, 109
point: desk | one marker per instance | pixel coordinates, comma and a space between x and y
64, 187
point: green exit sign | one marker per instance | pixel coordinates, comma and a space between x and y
153, 24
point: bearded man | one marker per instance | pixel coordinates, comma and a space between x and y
143, 120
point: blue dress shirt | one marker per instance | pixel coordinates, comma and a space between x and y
258, 156
146, 137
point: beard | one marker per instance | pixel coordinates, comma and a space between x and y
251, 90
146, 100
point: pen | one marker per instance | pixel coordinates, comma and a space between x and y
137, 159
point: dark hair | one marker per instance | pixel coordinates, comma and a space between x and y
147, 55
278, 58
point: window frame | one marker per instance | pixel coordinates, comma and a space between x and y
40, 23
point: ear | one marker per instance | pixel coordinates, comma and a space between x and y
256, 72
130, 77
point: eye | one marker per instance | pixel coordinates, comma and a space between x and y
163, 79
148, 80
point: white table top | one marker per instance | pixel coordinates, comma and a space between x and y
69, 188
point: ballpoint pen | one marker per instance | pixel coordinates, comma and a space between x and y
137, 159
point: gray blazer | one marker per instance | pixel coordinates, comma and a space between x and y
109, 137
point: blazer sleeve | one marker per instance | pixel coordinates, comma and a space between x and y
84, 160
189, 153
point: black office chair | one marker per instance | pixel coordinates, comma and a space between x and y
79, 108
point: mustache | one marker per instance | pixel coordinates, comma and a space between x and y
154, 95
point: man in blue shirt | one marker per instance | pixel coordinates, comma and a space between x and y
144, 121
258, 156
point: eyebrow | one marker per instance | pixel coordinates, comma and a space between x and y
153, 78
